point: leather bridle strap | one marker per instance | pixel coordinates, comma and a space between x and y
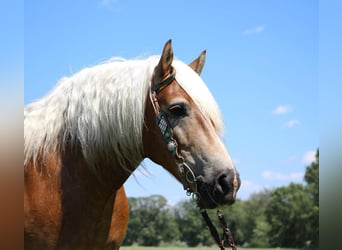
167, 81
188, 176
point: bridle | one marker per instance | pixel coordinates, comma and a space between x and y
187, 174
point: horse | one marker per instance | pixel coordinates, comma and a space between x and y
88, 135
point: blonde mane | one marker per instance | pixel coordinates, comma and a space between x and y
101, 110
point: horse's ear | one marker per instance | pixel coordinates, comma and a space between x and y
164, 65
198, 64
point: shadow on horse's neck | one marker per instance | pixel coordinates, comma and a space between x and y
85, 199
75, 171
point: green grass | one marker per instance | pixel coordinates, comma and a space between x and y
197, 248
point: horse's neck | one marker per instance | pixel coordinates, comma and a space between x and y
105, 176
84, 191
63, 190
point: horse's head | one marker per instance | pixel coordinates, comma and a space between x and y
187, 142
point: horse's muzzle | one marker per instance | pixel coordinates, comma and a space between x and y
221, 191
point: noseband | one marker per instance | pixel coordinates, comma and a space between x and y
188, 176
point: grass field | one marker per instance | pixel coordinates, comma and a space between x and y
197, 248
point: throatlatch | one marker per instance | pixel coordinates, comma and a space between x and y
188, 176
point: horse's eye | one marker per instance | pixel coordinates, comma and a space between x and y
177, 110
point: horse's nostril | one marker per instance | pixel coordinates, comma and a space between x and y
223, 183
221, 191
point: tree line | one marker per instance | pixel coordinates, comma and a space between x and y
283, 217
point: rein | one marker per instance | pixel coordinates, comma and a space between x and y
188, 176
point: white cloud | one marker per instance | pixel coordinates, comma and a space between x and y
282, 110
254, 30
309, 157
292, 123
250, 187
275, 176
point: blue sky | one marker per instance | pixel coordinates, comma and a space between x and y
262, 68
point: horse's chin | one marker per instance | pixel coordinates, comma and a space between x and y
205, 203
210, 198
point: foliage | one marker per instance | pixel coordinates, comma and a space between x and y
191, 227
292, 212
312, 179
287, 212
284, 217
258, 227
151, 222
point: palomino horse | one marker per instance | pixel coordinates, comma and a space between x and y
85, 138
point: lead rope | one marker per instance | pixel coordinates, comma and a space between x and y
227, 234
213, 230
188, 176
226, 231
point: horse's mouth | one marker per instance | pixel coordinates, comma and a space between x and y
213, 195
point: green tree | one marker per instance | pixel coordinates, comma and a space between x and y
246, 220
312, 179
259, 237
288, 212
191, 226
256, 234
151, 222
293, 212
